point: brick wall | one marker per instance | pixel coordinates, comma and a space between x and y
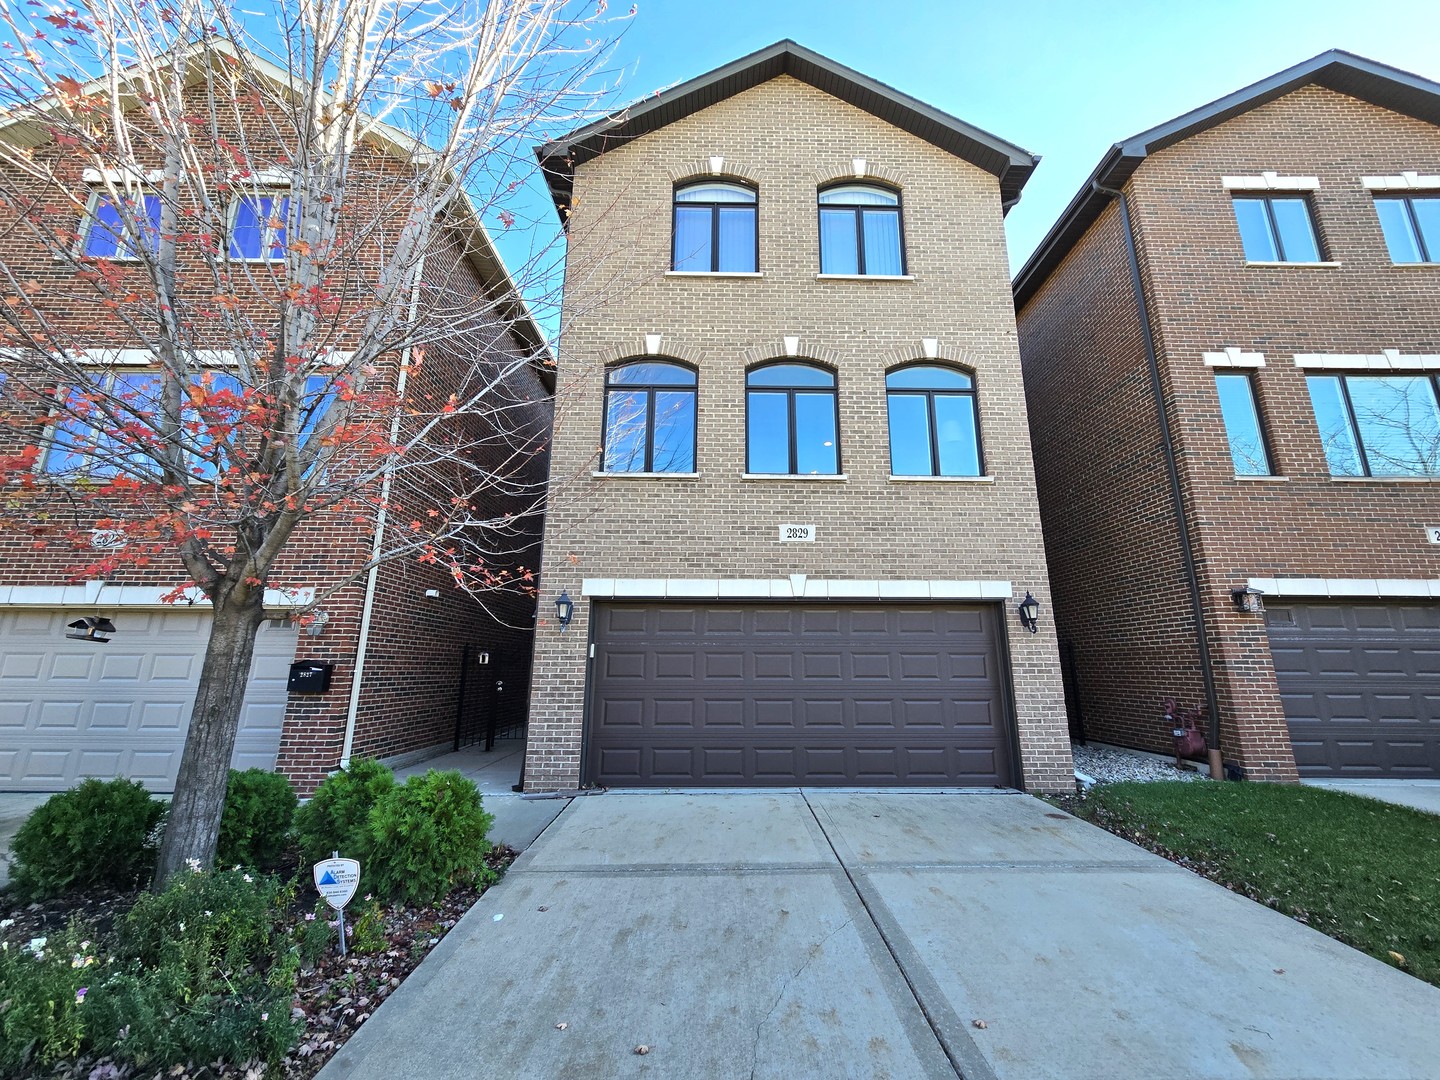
1204, 298
787, 138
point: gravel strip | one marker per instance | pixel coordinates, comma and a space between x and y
1107, 765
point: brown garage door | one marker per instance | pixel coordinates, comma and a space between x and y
1361, 686
774, 694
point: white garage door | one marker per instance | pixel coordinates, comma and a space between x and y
72, 709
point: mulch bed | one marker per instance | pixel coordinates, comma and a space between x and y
333, 998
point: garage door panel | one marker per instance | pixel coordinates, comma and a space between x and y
1360, 686
71, 709
797, 694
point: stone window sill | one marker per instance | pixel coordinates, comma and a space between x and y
1298, 265
1264, 479
715, 273
1386, 479
894, 479
1415, 266
842, 477
864, 277
645, 475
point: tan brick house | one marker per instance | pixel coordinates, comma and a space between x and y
398, 637
1269, 266
792, 499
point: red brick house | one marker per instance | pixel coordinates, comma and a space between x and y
792, 499
406, 646
1231, 345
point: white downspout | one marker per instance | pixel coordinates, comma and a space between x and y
401, 383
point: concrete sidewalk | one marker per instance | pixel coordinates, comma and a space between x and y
1417, 794
822, 934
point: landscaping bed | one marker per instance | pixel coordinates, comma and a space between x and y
1364, 872
231, 971
333, 996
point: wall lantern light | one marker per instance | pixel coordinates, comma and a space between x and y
1029, 610
1247, 599
90, 628
564, 609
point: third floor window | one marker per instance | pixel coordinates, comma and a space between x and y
1277, 229
715, 229
1411, 225
860, 231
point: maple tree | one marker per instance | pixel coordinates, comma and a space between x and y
255, 292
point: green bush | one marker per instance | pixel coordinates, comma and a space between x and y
98, 833
44, 985
337, 818
255, 827
426, 836
206, 973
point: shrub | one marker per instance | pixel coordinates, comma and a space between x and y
207, 974
367, 928
44, 986
426, 836
337, 817
97, 833
255, 828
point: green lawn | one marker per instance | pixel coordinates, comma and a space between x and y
1365, 872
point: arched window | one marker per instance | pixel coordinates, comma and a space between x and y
649, 418
860, 231
791, 420
715, 228
934, 426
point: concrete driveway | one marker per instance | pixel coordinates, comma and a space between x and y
828, 934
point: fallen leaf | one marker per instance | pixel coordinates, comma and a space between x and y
1397, 957
1279, 971
642, 1049
561, 1027
981, 1024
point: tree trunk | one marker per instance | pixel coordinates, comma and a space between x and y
194, 823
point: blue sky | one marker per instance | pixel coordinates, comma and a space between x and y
1064, 80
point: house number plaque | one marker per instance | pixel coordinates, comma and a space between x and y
797, 534
1433, 532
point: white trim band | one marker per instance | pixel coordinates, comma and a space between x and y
1270, 181
1356, 588
1384, 360
1406, 181
797, 587
99, 594
1233, 357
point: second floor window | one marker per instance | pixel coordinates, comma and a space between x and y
1277, 229
257, 233
1378, 425
791, 421
649, 418
715, 229
1411, 225
1248, 453
860, 231
933, 427
106, 235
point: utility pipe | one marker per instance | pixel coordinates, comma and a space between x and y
1192, 578
401, 383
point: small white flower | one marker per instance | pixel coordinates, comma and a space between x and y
264, 1017
247, 876
193, 864
182, 927
208, 914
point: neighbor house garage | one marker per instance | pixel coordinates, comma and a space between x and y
71, 709
1360, 684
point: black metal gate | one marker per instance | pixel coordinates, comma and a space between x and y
486, 708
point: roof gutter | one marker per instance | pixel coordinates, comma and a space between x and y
1172, 470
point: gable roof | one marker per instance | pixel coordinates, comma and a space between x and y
1011, 164
1345, 73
